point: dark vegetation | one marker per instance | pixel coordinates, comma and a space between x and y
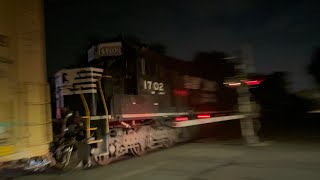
281, 110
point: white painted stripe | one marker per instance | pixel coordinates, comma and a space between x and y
64, 93
90, 74
99, 117
97, 69
128, 116
84, 80
168, 114
86, 85
195, 122
315, 111
78, 86
71, 84
86, 69
165, 114
75, 70
143, 115
211, 112
152, 115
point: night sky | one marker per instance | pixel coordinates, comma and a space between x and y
282, 33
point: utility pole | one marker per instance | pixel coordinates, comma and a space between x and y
246, 106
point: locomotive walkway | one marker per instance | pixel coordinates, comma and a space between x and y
207, 159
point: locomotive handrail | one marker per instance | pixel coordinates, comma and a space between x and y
104, 101
87, 110
86, 107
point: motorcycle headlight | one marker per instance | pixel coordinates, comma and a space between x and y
69, 115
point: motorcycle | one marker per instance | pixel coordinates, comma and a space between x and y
70, 144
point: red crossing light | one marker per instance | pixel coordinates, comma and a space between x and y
200, 116
253, 82
182, 118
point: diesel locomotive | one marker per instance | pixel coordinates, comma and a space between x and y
130, 100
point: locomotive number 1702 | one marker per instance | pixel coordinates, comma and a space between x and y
155, 86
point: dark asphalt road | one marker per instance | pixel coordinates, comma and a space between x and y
292, 153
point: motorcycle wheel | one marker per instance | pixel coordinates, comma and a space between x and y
73, 163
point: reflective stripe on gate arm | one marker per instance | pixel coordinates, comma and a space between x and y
195, 122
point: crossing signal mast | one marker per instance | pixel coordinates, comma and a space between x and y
243, 81
246, 66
